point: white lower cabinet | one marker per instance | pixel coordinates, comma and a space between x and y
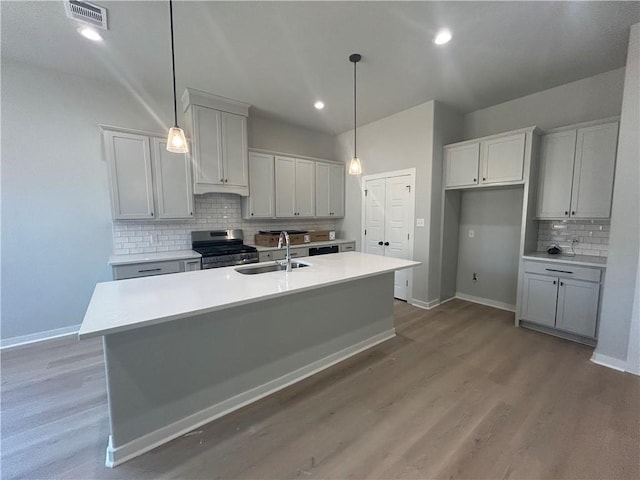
562, 297
191, 265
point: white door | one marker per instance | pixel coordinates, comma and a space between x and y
234, 149
261, 178
578, 307
174, 187
593, 171
539, 299
387, 223
556, 171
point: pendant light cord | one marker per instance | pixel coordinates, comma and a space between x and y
355, 143
173, 68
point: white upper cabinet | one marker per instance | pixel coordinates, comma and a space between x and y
329, 190
260, 202
147, 182
576, 172
461, 165
295, 187
218, 127
489, 161
174, 186
557, 151
305, 188
128, 158
502, 159
593, 171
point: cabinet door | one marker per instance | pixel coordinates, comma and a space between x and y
285, 186
336, 191
305, 188
540, 293
578, 307
261, 182
593, 171
502, 159
461, 164
234, 149
207, 147
557, 153
191, 265
129, 161
323, 189
174, 188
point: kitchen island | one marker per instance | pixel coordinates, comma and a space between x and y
186, 348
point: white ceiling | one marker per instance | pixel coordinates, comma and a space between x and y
282, 56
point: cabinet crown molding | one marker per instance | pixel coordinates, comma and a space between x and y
191, 96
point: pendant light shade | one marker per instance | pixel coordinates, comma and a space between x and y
355, 167
176, 141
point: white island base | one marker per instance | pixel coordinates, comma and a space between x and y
166, 379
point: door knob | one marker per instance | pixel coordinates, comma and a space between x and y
386, 244
380, 243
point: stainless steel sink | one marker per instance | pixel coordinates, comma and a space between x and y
273, 267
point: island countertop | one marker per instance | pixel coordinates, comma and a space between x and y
134, 303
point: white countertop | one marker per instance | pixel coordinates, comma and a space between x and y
152, 257
260, 248
585, 260
138, 302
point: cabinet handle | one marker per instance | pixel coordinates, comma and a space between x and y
573, 212
252, 214
386, 244
554, 282
226, 180
222, 180
562, 284
150, 270
152, 214
475, 179
191, 214
566, 212
380, 243
483, 179
554, 270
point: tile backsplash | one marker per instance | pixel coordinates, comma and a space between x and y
214, 211
592, 236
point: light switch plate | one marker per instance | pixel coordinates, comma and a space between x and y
472, 233
419, 222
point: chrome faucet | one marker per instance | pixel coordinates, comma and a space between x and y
284, 235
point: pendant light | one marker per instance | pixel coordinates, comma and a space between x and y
176, 141
355, 168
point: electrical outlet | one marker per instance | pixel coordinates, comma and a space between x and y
472, 233
475, 277
419, 222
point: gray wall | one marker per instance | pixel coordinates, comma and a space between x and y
270, 134
624, 242
56, 219
591, 98
495, 217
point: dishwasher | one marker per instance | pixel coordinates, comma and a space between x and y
313, 251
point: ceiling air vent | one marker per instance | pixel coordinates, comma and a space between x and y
87, 12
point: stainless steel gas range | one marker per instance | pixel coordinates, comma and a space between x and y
222, 248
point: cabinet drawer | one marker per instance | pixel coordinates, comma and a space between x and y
120, 272
347, 247
563, 270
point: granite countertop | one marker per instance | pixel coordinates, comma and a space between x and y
123, 305
586, 260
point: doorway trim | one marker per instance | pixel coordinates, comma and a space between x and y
411, 214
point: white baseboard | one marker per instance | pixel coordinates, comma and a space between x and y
610, 362
486, 301
118, 455
38, 337
425, 305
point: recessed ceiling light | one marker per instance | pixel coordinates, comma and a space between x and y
90, 33
442, 37
319, 105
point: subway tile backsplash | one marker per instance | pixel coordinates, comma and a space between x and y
214, 211
592, 236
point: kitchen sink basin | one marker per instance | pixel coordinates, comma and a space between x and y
273, 267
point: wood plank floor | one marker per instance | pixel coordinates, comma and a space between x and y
459, 393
